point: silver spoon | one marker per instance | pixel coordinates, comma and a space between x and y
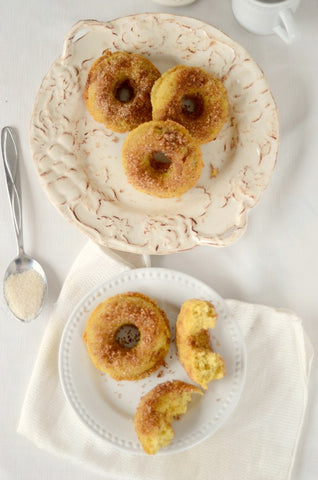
26, 297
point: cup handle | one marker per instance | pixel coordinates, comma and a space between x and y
287, 28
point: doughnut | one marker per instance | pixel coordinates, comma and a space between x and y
117, 90
192, 97
161, 159
110, 354
156, 411
193, 342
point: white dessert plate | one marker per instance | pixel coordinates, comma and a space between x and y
78, 160
107, 407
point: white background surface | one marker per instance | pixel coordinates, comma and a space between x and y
274, 263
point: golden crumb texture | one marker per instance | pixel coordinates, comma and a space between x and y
157, 410
195, 353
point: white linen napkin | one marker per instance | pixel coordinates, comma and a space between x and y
258, 441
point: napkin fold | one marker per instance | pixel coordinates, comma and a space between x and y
258, 441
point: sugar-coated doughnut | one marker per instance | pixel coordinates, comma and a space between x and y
110, 355
156, 411
193, 97
161, 159
117, 90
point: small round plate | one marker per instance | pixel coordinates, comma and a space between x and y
79, 160
107, 407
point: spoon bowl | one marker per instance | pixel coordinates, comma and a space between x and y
19, 265
25, 283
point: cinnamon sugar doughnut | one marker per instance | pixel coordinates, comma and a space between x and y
156, 411
192, 97
193, 342
109, 354
117, 91
161, 159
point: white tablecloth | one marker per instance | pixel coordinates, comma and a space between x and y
274, 263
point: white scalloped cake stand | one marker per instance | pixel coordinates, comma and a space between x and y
78, 159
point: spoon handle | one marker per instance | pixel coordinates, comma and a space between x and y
11, 167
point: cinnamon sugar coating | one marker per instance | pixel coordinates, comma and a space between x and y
193, 97
111, 356
156, 411
181, 159
112, 73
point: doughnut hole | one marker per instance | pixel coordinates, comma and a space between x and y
124, 91
192, 105
160, 162
128, 336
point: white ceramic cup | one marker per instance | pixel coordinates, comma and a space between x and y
265, 17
